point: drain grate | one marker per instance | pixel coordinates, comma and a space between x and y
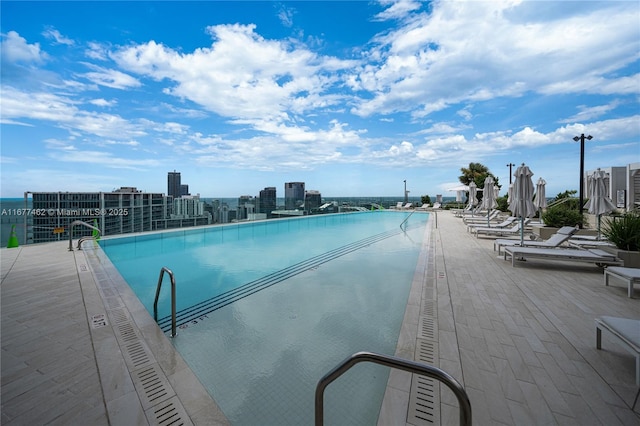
152, 386
427, 328
127, 332
118, 316
424, 397
427, 351
137, 354
425, 401
168, 413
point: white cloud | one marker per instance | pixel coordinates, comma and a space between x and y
476, 51
53, 34
16, 49
398, 9
97, 51
589, 113
110, 78
63, 112
285, 14
242, 75
102, 102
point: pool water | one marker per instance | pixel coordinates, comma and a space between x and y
268, 308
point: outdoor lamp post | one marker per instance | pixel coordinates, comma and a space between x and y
510, 165
406, 199
581, 138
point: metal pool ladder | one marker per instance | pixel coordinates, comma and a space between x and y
394, 362
173, 298
407, 218
78, 222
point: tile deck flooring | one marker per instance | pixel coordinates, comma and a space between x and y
77, 348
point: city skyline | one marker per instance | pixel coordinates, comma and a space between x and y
352, 98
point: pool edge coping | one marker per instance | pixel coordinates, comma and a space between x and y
170, 368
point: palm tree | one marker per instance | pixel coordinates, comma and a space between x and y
477, 173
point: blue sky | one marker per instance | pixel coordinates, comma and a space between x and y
352, 98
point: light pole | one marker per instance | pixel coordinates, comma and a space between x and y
581, 138
510, 165
406, 198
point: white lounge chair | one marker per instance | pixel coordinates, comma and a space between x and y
630, 275
407, 206
563, 234
467, 211
598, 257
587, 244
482, 218
398, 205
500, 232
504, 224
626, 332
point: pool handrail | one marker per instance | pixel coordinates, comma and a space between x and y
393, 362
78, 222
173, 298
407, 218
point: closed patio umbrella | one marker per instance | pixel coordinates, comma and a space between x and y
598, 203
489, 197
473, 189
540, 199
521, 204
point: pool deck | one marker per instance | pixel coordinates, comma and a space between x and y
77, 347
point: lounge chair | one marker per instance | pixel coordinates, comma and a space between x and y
500, 232
630, 275
587, 244
563, 234
504, 224
407, 206
482, 218
598, 257
467, 211
398, 205
627, 333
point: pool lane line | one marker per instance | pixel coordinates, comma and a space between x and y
200, 309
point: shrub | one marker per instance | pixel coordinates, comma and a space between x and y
559, 216
623, 231
502, 204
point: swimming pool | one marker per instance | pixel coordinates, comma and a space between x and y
266, 308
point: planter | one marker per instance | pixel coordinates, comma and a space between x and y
631, 259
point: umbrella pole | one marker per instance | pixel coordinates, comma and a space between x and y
521, 231
599, 227
488, 220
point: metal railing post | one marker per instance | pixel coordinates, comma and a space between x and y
173, 299
393, 362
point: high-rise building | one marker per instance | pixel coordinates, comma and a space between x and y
122, 211
174, 186
267, 201
187, 207
293, 195
184, 190
246, 207
312, 200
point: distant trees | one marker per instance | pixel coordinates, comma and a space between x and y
425, 199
